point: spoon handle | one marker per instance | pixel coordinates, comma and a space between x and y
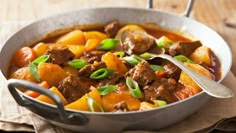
211, 87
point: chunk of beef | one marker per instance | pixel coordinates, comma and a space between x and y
90, 68
136, 42
121, 107
142, 73
112, 28
92, 56
161, 89
72, 88
172, 70
112, 79
60, 55
184, 48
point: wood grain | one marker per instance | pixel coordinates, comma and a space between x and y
212, 13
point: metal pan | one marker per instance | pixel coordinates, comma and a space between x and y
111, 122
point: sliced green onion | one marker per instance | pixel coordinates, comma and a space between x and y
157, 68
104, 90
120, 53
164, 42
148, 56
34, 70
160, 103
133, 88
101, 73
77, 63
107, 44
183, 58
91, 102
133, 60
43, 58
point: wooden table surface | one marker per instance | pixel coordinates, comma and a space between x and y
220, 15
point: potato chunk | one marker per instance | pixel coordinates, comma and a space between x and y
48, 100
113, 62
52, 73
82, 104
201, 55
187, 80
73, 37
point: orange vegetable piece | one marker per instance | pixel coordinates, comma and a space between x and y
34, 94
41, 48
82, 104
74, 37
52, 73
113, 62
50, 101
23, 56
23, 74
77, 50
95, 35
91, 44
122, 95
187, 80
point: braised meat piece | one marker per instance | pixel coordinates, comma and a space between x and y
92, 56
87, 70
160, 89
142, 73
172, 70
60, 55
112, 28
184, 48
136, 42
121, 107
72, 88
112, 79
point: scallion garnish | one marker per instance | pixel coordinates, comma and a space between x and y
148, 56
34, 70
91, 103
43, 58
164, 42
77, 63
101, 73
160, 103
107, 44
133, 87
157, 68
120, 53
133, 60
183, 58
104, 90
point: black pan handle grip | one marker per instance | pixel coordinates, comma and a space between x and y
186, 12
13, 83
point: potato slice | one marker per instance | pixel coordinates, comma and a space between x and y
202, 54
41, 48
95, 35
82, 104
113, 62
52, 73
74, 37
147, 106
50, 101
187, 80
77, 50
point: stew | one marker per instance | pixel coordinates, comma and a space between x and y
93, 70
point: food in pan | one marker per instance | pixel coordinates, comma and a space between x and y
104, 70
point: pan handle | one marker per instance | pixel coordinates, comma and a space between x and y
67, 118
186, 12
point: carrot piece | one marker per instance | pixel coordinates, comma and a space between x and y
23, 56
34, 94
